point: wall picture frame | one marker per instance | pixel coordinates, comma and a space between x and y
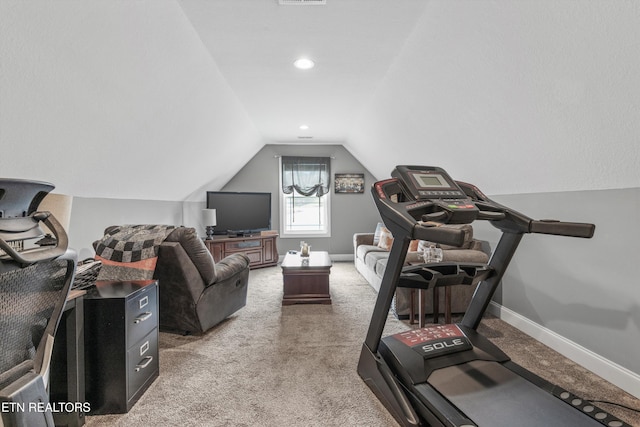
349, 183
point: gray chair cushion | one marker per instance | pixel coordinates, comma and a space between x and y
373, 257
363, 250
197, 252
380, 266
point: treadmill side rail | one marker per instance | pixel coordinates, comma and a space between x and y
379, 378
434, 401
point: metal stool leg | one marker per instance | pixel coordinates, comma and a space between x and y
436, 305
447, 304
412, 310
421, 308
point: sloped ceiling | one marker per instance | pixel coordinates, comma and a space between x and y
352, 42
156, 99
513, 96
116, 100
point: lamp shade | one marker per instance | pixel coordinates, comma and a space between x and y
209, 217
60, 206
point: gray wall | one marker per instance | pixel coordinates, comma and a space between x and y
90, 216
350, 213
585, 290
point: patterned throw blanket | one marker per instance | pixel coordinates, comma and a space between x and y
130, 252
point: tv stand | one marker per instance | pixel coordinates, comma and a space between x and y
261, 249
236, 235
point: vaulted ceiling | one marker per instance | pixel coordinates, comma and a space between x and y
255, 43
155, 99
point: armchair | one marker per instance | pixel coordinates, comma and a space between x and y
195, 293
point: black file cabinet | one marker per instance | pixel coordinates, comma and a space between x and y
121, 344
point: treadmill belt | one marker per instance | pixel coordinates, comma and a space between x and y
493, 396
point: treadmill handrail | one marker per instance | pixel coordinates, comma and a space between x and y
434, 232
493, 211
561, 228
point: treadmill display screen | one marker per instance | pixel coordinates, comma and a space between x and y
430, 180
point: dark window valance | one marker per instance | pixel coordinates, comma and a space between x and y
308, 176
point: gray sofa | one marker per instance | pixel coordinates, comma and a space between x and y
371, 261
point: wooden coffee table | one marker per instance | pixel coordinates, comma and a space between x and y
306, 279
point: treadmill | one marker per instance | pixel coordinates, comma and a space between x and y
450, 375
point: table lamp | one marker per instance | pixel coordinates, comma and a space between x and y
209, 220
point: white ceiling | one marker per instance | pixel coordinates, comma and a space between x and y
160, 99
352, 42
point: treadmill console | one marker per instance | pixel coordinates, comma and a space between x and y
435, 195
428, 182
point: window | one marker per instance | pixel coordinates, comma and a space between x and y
304, 196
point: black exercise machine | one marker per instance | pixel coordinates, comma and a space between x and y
450, 375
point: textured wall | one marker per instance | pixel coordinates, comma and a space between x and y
585, 290
350, 213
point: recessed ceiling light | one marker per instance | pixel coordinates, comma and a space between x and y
304, 127
304, 64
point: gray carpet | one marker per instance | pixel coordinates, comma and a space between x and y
270, 365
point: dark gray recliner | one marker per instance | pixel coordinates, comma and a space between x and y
195, 292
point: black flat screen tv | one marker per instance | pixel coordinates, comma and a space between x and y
240, 213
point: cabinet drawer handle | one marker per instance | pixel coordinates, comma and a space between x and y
145, 362
143, 302
142, 318
143, 348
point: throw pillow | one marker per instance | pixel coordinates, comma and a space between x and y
386, 239
376, 234
413, 245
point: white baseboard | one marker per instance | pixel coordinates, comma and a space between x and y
334, 257
619, 376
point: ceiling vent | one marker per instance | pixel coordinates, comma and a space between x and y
302, 2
